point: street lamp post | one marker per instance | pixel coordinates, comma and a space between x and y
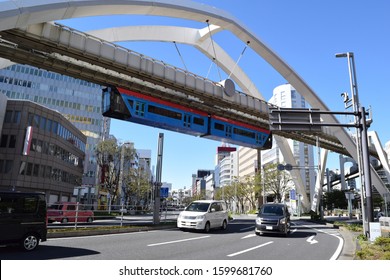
361, 142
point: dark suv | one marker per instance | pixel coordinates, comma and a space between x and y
273, 218
22, 219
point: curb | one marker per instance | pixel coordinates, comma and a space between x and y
349, 249
103, 231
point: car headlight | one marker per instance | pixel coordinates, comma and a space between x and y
258, 221
201, 217
283, 221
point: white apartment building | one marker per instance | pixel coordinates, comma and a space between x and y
286, 96
228, 169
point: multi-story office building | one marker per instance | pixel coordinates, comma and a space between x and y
40, 150
77, 100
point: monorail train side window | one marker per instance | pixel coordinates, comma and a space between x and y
140, 108
219, 126
164, 112
244, 133
198, 121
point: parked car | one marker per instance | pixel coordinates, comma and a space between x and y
69, 212
23, 219
204, 215
273, 218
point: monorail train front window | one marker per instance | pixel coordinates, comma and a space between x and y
106, 101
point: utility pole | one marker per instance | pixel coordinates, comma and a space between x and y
156, 212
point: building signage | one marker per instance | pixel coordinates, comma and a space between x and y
27, 141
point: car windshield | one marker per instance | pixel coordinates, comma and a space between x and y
272, 210
198, 207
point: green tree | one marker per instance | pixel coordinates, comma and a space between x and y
335, 199
276, 182
109, 154
138, 186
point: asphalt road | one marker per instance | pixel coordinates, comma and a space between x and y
307, 241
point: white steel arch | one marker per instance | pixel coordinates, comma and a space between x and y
23, 13
200, 39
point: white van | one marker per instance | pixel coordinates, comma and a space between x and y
204, 215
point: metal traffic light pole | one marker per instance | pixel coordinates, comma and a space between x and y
361, 143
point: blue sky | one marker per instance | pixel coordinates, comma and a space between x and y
305, 33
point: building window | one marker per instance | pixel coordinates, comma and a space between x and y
36, 170
8, 117
12, 141
29, 169
8, 166
4, 140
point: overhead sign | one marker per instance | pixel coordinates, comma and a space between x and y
295, 119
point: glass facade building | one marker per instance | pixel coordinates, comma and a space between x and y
77, 100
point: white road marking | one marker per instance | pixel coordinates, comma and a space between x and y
250, 249
178, 241
249, 236
311, 240
242, 229
339, 247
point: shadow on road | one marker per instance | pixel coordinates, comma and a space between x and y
44, 252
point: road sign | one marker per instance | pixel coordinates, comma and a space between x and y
295, 119
164, 192
293, 195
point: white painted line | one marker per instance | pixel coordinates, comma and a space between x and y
339, 248
294, 230
178, 241
249, 235
250, 249
242, 229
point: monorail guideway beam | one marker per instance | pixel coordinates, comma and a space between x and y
50, 54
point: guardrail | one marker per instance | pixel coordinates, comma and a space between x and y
63, 214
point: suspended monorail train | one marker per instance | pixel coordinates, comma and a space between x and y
124, 104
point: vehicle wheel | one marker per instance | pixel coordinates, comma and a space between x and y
224, 225
64, 220
30, 242
207, 227
89, 220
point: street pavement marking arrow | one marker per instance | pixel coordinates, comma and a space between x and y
311, 240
